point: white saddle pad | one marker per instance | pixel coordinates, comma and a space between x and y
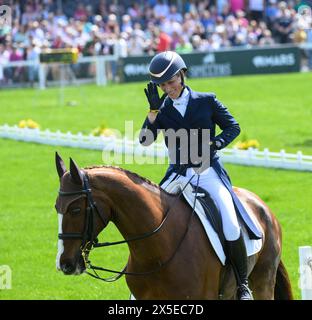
252, 246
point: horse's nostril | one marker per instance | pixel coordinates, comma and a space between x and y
68, 268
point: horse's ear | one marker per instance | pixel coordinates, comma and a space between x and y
60, 165
75, 172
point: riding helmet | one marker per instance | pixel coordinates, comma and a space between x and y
165, 65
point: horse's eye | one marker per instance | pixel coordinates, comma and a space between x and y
75, 211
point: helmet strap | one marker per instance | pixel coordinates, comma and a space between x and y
182, 78
182, 82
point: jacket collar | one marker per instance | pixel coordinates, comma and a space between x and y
175, 115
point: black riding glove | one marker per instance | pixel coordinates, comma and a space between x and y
153, 97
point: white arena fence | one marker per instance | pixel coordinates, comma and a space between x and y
93, 69
250, 157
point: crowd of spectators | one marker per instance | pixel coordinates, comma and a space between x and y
146, 27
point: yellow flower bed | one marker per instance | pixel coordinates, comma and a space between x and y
245, 145
102, 131
28, 123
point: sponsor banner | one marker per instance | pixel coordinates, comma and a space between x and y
223, 63
135, 68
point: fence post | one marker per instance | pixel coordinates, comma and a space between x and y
100, 71
283, 155
42, 76
266, 155
305, 266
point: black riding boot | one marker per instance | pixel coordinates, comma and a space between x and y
238, 258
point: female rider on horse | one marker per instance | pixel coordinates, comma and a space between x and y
182, 108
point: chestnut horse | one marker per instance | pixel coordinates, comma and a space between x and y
170, 254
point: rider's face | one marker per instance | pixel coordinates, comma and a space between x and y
172, 87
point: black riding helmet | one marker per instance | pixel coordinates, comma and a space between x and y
165, 65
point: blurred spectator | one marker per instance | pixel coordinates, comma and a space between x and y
4, 58
135, 12
58, 43
267, 39
161, 9
271, 12
300, 36
175, 38
136, 45
309, 42
145, 27
101, 8
226, 10
126, 24
207, 21
241, 17
163, 41
283, 24
15, 73
112, 25
221, 4
183, 46
122, 45
19, 32
80, 13
256, 9
29, 15
174, 15
190, 6
237, 5
59, 17
33, 53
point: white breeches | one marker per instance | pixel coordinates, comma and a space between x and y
210, 181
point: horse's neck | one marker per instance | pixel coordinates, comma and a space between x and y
137, 207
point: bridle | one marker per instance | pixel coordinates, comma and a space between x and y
90, 241
88, 234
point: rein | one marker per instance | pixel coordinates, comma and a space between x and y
90, 241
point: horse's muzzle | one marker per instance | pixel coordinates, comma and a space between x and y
72, 267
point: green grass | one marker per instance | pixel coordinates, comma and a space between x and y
274, 109
28, 221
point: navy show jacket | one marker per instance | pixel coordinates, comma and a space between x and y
203, 111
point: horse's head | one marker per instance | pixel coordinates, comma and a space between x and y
81, 215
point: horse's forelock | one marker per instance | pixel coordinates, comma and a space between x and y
68, 183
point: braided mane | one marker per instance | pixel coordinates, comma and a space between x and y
135, 175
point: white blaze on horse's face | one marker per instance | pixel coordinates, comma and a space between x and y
60, 245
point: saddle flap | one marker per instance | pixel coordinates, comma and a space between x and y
209, 215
